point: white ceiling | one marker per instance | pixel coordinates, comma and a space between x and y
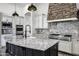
8, 8
23, 4
19, 4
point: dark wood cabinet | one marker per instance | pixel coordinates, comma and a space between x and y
15, 50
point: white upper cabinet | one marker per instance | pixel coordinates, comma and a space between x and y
27, 18
18, 20
7, 19
41, 21
40, 24
38, 20
44, 21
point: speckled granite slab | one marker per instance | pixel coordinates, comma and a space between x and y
35, 43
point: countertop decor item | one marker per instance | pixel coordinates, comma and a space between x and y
32, 8
15, 13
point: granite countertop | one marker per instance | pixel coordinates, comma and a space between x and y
34, 43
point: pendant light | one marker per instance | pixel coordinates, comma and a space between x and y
15, 13
32, 8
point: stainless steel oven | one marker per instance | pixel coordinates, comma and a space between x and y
6, 28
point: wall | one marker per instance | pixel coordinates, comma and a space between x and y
61, 10
71, 28
8, 9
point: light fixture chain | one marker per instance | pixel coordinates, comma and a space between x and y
15, 7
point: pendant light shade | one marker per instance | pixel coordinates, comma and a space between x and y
15, 13
32, 8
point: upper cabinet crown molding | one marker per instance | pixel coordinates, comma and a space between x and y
59, 20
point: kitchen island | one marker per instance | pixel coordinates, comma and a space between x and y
32, 47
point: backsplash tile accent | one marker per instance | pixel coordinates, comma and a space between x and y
61, 10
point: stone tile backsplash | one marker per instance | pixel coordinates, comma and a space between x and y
68, 28
63, 28
42, 35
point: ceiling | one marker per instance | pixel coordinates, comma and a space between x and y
19, 4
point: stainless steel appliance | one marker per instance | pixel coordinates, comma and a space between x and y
6, 28
62, 37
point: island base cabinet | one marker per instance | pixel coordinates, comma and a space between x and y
52, 51
16, 50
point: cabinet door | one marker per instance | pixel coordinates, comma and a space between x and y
3, 41
45, 23
7, 19
4, 19
28, 52
37, 53
28, 18
55, 50
65, 46
17, 20
22, 21
76, 48
36, 22
40, 22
